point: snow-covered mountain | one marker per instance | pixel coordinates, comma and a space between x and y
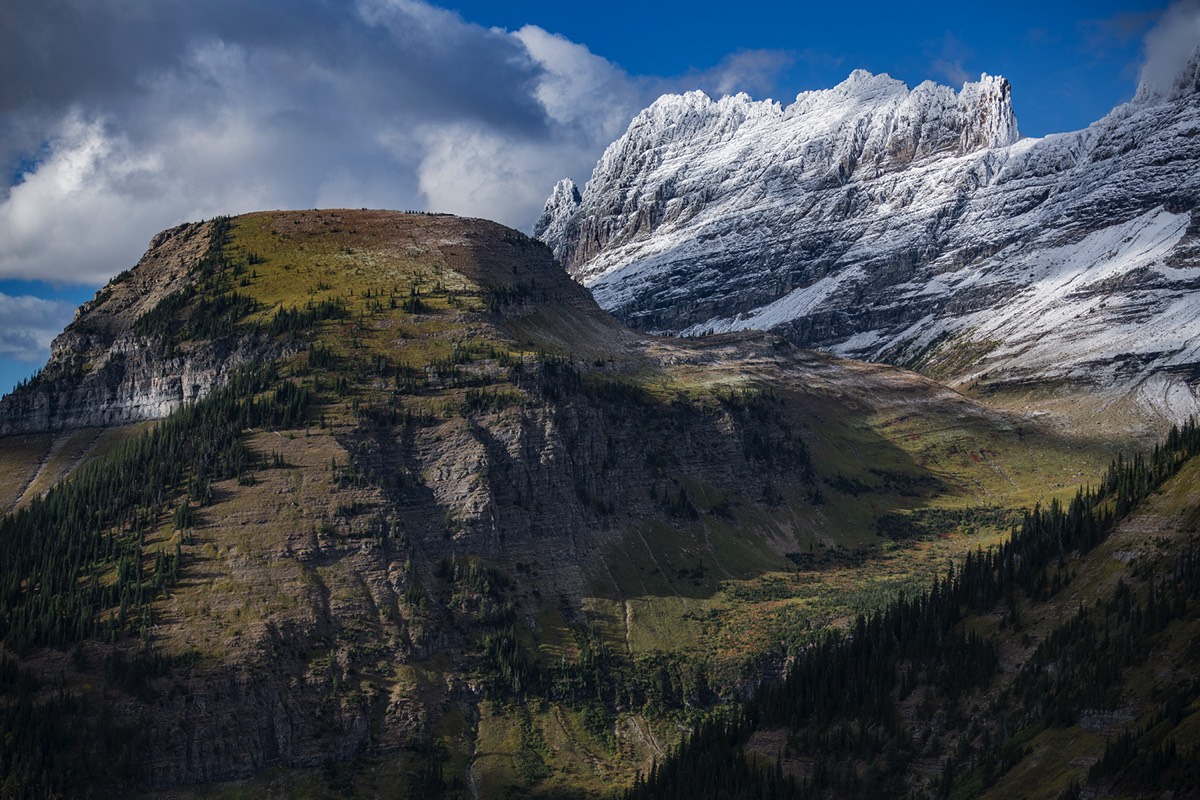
909, 225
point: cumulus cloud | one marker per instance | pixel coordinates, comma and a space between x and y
123, 118
471, 168
1172, 52
580, 89
28, 325
119, 118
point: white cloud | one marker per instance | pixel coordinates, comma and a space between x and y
579, 88
953, 71
142, 117
397, 105
28, 325
752, 71
474, 172
949, 59
1172, 47
68, 219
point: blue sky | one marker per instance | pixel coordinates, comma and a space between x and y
1070, 62
120, 119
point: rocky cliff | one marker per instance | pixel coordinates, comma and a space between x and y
487, 533
104, 371
912, 226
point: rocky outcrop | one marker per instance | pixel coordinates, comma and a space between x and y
126, 382
912, 226
102, 373
558, 215
547, 491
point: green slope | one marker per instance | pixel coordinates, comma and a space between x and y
1060, 665
489, 538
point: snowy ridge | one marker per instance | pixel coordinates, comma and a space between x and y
908, 225
558, 212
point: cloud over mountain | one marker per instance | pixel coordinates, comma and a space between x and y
1172, 50
118, 119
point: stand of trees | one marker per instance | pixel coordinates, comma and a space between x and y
840, 700
75, 561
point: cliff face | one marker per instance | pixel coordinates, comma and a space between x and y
325, 603
102, 372
470, 402
912, 226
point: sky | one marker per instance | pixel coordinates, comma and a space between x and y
119, 118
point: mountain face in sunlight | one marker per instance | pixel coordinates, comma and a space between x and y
912, 226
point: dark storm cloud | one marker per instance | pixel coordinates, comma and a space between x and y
409, 57
121, 118
55, 53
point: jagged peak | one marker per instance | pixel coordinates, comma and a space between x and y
671, 109
862, 81
669, 105
564, 200
863, 75
867, 116
565, 193
989, 120
987, 106
861, 88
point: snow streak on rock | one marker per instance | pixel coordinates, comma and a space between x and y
913, 226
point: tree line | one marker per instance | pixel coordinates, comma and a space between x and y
840, 701
75, 561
